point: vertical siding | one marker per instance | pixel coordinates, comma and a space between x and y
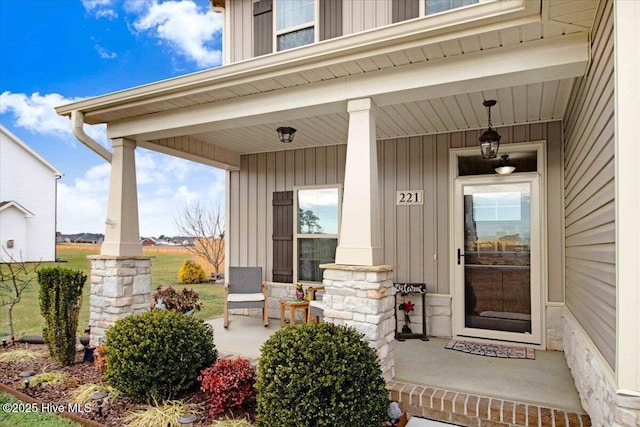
401, 10
416, 238
262, 27
361, 15
589, 194
330, 19
241, 31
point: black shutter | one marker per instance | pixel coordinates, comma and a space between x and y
401, 10
262, 27
330, 19
283, 236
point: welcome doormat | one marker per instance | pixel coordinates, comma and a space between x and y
492, 350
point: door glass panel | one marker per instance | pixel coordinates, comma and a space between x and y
497, 272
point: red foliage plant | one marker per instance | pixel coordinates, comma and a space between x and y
228, 384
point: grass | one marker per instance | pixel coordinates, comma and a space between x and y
24, 419
164, 271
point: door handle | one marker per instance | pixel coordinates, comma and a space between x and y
460, 255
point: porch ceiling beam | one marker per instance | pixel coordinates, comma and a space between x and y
532, 62
195, 150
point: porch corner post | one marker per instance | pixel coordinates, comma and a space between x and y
360, 230
121, 274
362, 297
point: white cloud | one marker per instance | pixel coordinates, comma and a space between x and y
36, 113
104, 53
100, 8
182, 26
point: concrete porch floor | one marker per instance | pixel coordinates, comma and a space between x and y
522, 392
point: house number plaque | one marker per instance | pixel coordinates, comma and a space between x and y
409, 197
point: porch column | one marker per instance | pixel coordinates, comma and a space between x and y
360, 231
122, 236
120, 275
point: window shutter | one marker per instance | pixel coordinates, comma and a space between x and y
401, 10
282, 236
262, 27
330, 19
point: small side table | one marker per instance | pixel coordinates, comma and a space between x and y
293, 306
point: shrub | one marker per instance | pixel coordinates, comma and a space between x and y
191, 273
100, 359
228, 384
319, 375
183, 301
60, 298
157, 354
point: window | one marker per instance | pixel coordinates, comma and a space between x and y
295, 23
317, 223
437, 6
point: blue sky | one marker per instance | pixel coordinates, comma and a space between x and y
58, 51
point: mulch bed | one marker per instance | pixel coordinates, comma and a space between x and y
114, 412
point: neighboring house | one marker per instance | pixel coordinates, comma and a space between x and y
384, 179
149, 241
28, 189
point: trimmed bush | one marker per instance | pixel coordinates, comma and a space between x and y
183, 301
60, 299
228, 384
191, 273
158, 354
319, 375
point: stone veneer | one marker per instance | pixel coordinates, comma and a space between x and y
594, 383
362, 297
120, 286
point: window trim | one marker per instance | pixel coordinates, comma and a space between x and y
422, 7
315, 24
297, 235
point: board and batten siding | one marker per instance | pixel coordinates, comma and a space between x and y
416, 238
590, 196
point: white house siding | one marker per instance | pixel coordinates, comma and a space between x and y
362, 15
13, 225
30, 182
589, 195
412, 235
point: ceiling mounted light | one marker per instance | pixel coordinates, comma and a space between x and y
505, 166
286, 134
490, 139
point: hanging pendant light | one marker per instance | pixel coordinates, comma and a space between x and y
490, 139
505, 166
286, 134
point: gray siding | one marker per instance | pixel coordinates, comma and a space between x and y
262, 27
241, 32
401, 10
412, 235
589, 194
362, 15
330, 19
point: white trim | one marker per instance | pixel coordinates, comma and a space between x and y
627, 199
539, 262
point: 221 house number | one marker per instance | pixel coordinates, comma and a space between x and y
413, 197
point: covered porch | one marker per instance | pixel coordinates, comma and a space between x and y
448, 385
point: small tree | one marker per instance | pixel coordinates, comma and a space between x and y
206, 225
60, 298
15, 278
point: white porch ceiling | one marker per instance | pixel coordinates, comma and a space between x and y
516, 105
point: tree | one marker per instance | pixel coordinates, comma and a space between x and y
15, 278
310, 220
206, 225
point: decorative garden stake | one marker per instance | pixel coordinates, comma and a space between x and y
407, 306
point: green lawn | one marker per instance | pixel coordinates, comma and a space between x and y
164, 271
26, 419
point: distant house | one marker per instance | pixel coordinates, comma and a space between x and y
149, 241
27, 202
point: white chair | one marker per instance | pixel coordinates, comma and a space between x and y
316, 306
245, 290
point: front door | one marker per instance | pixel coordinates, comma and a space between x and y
498, 278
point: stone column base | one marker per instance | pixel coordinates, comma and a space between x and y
594, 381
120, 287
362, 297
